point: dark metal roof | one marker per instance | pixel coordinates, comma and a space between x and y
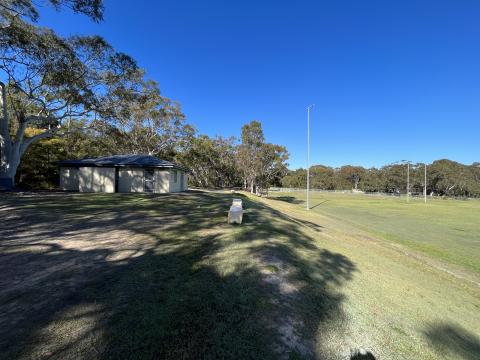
124, 161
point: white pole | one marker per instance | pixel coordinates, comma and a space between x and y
308, 157
425, 185
408, 179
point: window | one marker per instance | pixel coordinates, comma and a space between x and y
175, 177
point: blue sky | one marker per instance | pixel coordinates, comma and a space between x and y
390, 80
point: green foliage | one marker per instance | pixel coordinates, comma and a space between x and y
39, 166
211, 160
261, 164
444, 177
27, 8
50, 80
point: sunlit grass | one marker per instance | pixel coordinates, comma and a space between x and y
448, 230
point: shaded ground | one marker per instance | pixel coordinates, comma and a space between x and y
102, 276
142, 276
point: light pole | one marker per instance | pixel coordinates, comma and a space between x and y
425, 185
408, 175
308, 155
408, 180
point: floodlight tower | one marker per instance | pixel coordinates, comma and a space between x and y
308, 155
408, 162
425, 185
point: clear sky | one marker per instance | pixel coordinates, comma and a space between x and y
390, 80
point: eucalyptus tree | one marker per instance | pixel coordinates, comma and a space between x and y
249, 153
211, 161
261, 164
152, 125
47, 80
272, 166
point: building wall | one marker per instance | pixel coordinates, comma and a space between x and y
178, 185
185, 182
174, 180
96, 179
102, 179
162, 181
130, 180
69, 178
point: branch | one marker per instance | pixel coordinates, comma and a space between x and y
30, 141
49, 133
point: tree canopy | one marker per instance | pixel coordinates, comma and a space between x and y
47, 80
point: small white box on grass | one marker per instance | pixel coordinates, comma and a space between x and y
235, 214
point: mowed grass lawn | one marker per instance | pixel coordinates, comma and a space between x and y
139, 276
447, 230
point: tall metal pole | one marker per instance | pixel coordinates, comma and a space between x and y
425, 185
308, 157
408, 180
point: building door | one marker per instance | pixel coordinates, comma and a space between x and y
149, 180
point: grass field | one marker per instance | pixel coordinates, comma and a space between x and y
447, 230
137, 276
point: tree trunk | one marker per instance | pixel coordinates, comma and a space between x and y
9, 168
11, 150
252, 187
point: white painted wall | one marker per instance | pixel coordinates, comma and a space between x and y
130, 180
174, 180
162, 181
96, 179
185, 182
176, 186
68, 178
102, 179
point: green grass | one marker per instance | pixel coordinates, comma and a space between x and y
138, 276
447, 230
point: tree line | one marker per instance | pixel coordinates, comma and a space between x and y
444, 177
215, 162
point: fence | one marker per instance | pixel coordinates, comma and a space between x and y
359, 192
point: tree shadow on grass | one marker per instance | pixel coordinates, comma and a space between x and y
288, 199
122, 276
452, 340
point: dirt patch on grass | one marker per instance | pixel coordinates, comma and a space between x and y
47, 260
289, 326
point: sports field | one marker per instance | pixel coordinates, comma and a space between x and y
443, 229
102, 276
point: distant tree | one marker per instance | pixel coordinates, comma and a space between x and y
322, 177
212, 161
353, 174
250, 152
295, 179
444, 177
261, 164
272, 166
451, 178
373, 180
395, 178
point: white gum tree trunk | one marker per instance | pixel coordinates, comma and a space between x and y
11, 150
